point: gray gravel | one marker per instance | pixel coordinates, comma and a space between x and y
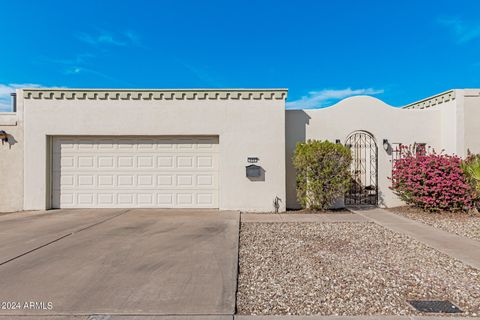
463, 224
345, 269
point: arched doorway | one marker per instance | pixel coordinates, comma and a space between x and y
364, 169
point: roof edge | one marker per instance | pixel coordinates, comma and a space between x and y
154, 94
432, 100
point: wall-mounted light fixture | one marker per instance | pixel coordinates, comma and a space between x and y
386, 144
3, 136
337, 141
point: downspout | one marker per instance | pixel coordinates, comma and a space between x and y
14, 102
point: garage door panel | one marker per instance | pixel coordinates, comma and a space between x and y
117, 199
64, 163
139, 181
165, 199
63, 144
105, 199
205, 198
128, 172
106, 162
86, 199
87, 181
145, 181
86, 144
147, 162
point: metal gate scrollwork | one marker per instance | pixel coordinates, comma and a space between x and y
364, 169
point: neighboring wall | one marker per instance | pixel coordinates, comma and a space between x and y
249, 123
450, 105
361, 113
460, 109
11, 163
472, 120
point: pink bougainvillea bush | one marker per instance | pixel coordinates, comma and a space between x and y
431, 181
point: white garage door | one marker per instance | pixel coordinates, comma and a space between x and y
132, 172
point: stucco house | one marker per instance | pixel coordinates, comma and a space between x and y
206, 148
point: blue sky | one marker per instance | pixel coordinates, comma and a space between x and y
322, 51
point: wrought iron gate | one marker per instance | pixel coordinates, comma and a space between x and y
364, 171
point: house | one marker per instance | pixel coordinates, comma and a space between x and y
114, 148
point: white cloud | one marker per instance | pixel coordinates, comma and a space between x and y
101, 38
133, 37
463, 31
319, 99
81, 58
7, 89
79, 70
104, 37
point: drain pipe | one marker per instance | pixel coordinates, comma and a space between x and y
276, 203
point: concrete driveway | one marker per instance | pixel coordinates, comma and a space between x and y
124, 262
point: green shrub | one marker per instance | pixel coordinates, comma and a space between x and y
471, 169
323, 173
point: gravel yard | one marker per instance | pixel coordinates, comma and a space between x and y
345, 269
308, 211
463, 224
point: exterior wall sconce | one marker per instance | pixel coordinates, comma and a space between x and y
3, 136
386, 144
337, 141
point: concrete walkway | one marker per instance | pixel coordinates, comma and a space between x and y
461, 248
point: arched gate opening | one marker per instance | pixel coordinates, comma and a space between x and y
364, 169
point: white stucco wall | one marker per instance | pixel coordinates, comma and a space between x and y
472, 120
361, 113
249, 123
451, 124
460, 111
11, 163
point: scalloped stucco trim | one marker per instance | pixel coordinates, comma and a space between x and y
112, 94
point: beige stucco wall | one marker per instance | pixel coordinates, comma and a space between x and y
11, 163
361, 113
451, 123
448, 124
460, 111
251, 124
472, 120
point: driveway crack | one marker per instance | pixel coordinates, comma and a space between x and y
63, 236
